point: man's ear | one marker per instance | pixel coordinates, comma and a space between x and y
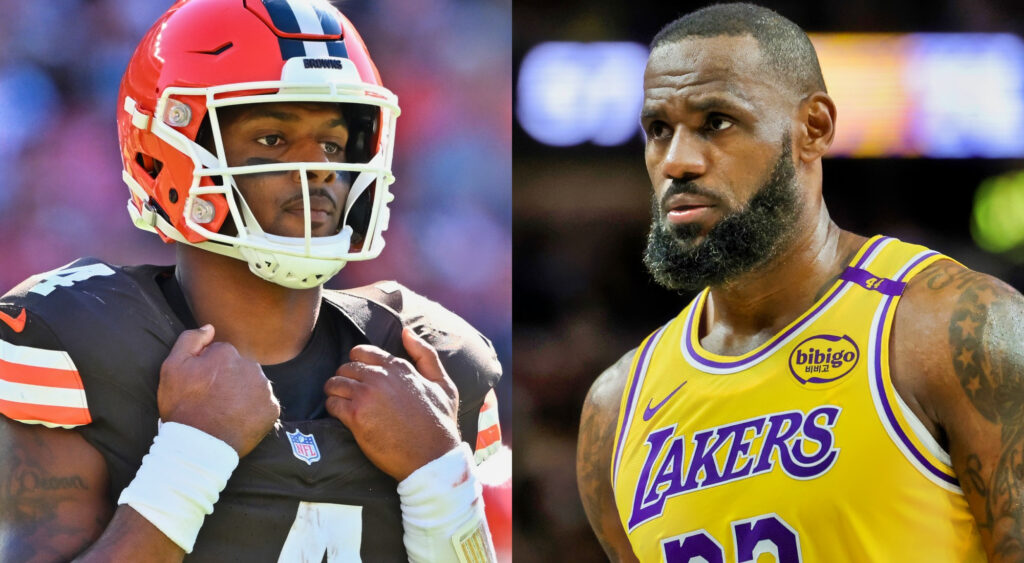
816, 127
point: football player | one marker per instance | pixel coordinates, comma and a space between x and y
228, 408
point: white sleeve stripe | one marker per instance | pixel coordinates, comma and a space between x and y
488, 418
40, 395
48, 424
36, 357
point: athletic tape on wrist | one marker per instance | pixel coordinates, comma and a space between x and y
180, 480
443, 511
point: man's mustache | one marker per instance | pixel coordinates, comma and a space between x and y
687, 187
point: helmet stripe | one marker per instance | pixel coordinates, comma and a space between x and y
328, 22
315, 49
337, 49
291, 48
307, 16
282, 15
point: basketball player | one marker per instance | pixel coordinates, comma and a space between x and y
826, 397
314, 425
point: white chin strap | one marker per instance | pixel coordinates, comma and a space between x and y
295, 272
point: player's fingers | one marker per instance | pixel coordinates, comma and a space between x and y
369, 354
340, 408
360, 371
341, 386
192, 342
423, 355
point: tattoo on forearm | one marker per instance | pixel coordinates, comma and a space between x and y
985, 336
31, 502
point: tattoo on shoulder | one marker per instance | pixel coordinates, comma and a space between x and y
949, 274
981, 339
986, 337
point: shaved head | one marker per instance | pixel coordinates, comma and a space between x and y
786, 51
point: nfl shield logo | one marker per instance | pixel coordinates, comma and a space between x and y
304, 446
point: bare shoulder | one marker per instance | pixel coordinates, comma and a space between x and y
953, 322
597, 426
53, 493
594, 458
606, 392
959, 342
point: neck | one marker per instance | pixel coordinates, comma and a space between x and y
265, 322
745, 312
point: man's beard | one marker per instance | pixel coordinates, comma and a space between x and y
738, 244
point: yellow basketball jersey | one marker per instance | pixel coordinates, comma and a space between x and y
800, 449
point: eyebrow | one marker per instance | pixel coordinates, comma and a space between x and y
265, 113
717, 101
704, 103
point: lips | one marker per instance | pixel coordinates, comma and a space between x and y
320, 208
686, 208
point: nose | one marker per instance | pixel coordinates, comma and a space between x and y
686, 157
310, 150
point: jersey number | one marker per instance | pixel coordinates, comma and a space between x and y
753, 537
324, 532
66, 277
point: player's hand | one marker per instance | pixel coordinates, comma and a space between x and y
209, 386
402, 415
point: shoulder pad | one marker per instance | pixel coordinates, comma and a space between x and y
382, 309
69, 336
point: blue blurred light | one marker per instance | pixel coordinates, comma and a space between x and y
964, 94
573, 93
28, 99
968, 91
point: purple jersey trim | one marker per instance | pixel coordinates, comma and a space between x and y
629, 398
769, 348
889, 414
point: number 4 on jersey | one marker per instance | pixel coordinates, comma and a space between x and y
753, 537
66, 277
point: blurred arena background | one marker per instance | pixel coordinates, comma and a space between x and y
930, 149
447, 60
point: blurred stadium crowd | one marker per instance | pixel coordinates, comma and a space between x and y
447, 60
582, 298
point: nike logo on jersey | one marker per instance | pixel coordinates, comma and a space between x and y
649, 411
17, 324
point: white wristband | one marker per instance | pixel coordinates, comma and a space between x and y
180, 480
443, 512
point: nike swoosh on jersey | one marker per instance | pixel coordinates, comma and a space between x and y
649, 411
16, 323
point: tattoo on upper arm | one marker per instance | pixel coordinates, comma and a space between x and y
594, 460
593, 474
35, 501
986, 337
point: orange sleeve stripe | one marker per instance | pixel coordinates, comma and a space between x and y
29, 412
487, 436
35, 375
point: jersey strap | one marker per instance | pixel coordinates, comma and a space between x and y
637, 371
908, 434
